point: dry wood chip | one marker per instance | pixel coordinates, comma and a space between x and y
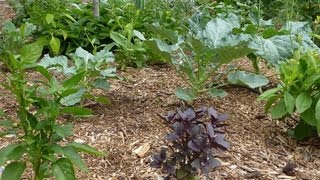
142, 150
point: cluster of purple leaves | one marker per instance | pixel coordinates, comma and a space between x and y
195, 138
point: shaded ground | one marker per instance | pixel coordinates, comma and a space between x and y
260, 146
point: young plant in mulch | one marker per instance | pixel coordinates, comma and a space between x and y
195, 139
298, 93
37, 131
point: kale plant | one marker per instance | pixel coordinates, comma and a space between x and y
193, 143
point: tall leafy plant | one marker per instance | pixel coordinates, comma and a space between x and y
38, 132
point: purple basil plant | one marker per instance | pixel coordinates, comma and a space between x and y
195, 139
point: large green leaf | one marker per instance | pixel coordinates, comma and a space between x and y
247, 79
13, 171
317, 110
30, 53
218, 31
62, 169
303, 102
214, 92
73, 81
274, 49
74, 157
226, 54
58, 63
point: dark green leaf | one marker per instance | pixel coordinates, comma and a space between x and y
279, 110
309, 117
73, 81
6, 152
72, 99
63, 170
303, 102
102, 84
74, 157
64, 130
13, 171
77, 111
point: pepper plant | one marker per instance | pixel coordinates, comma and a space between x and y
37, 131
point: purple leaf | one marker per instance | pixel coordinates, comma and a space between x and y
172, 137
222, 117
187, 115
220, 142
210, 130
193, 146
169, 168
213, 114
170, 116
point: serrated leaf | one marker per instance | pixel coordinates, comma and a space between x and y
303, 102
13, 171
247, 79
289, 101
185, 94
279, 110
62, 169
86, 149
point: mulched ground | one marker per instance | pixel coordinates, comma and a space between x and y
260, 149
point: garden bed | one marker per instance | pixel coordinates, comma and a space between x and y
260, 149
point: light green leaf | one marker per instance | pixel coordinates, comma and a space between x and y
74, 157
317, 110
185, 94
85, 55
247, 79
30, 53
109, 72
218, 93
289, 101
55, 45
62, 169
102, 100
13, 171
139, 35
87, 149
64, 130
303, 102
268, 94
49, 18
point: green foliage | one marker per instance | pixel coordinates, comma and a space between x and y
40, 102
298, 92
199, 57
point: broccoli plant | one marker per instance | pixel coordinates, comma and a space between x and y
193, 143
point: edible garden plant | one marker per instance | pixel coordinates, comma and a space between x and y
74, 48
